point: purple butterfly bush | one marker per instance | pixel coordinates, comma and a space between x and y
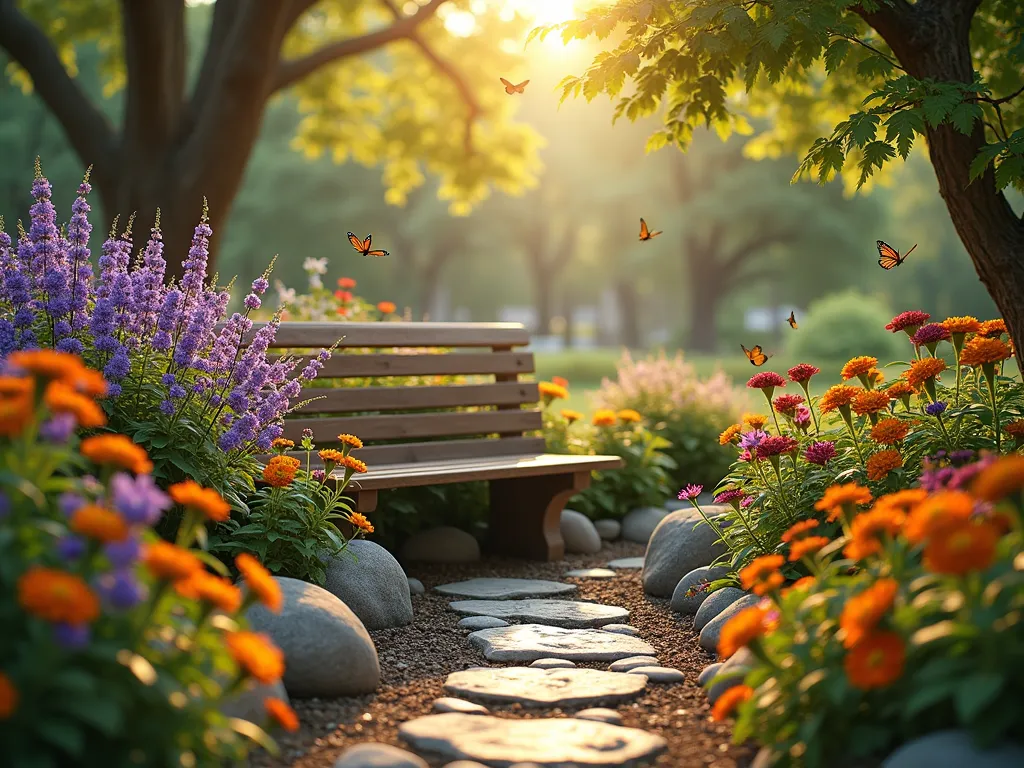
164, 346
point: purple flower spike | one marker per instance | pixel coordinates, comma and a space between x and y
935, 409
71, 636
690, 492
58, 428
138, 498
121, 554
750, 440
70, 547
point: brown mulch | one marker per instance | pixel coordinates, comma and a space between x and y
415, 660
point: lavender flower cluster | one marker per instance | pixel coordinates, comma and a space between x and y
149, 335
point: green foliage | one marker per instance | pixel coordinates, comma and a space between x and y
405, 511
843, 325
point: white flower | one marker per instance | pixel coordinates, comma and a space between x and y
284, 295
315, 282
315, 266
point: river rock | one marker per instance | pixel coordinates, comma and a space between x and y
552, 664
632, 662
714, 604
451, 704
248, 704
639, 524
622, 629
627, 563
658, 674
681, 542
555, 613
608, 528
441, 545
600, 715
709, 635
504, 589
954, 749
688, 606
730, 673
368, 579
708, 673
533, 687
590, 573
378, 756
327, 650
416, 586
579, 534
527, 642
481, 622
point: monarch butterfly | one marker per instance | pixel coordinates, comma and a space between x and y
363, 246
889, 257
511, 89
755, 355
646, 234
792, 321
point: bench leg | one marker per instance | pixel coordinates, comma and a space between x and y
526, 514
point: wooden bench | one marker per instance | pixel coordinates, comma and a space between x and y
418, 435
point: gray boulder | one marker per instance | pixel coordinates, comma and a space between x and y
416, 586
608, 528
954, 749
579, 533
639, 524
731, 673
378, 756
714, 604
709, 635
708, 673
327, 650
248, 704
441, 545
681, 542
688, 605
369, 580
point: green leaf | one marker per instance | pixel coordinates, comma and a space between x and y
977, 692
102, 713
928, 695
938, 106
965, 115
835, 54
63, 734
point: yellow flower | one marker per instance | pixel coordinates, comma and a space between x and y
629, 416
570, 415
924, 370
838, 396
979, 351
755, 420
730, 434
551, 391
992, 329
350, 440
353, 464
360, 522
282, 444
870, 401
963, 324
603, 417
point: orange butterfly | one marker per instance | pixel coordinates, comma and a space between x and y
510, 88
792, 321
755, 355
363, 246
646, 234
889, 257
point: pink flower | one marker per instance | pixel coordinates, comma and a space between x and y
802, 372
908, 321
821, 452
787, 404
766, 380
776, 445
932, 333
730, 495
802, 417
745, 455
747, 502
690, 492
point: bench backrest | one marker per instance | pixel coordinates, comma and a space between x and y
422, 422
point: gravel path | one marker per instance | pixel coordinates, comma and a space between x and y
416, 659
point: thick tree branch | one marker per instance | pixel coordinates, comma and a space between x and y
225, 14
88, 131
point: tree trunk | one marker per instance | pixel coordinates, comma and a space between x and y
703, 310
629, 332
569, 332
543, 301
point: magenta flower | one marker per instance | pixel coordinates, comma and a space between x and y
747, 501
776, 445
787, 404
908, 322
821, 452
766, 380
802, 416
730, 495
930, 335
802, 372
690, 492
745, 455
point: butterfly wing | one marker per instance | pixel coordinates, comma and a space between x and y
655, 233
509, 88
357, 243
645, 233
521, 88
888, 257
756, 356
377, 253
792, 321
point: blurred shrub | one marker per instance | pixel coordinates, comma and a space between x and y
689, 412
844, 325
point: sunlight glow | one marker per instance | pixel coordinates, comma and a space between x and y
542, 12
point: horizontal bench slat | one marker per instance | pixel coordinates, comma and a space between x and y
358, 399
403, 426
441, 450
342, 366
307, 334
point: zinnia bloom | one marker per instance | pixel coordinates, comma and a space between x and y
802, 372
1003, 477
281, 470
875, 376
550, 391
762, 575
360, 522
900, 389
352, 464
858, 366
906, 501
876, 661
570, 415
386, 307
90, 383
924, 370
839, 498
57, 596
750, 440
690, 492
116, 450
861, 613
959, 549
867, 529
346, 283
281, 713
351, 441
889, 431
629, 416
8, 697
787, 404
260, 581
838, 396
99, 523
962, 324
992, 329
730, 495
282, 444
731, 432
807, 546
880, 464
727, 703
206, 501
169, 562
742, 629
776, 445
256, 654
908, 322
799, 530
870, 401
217, 591
330, 456
47, 364
980, 351
560, 381
930, 335
604, 417
938, 512
766, 380
62, 398
755, 420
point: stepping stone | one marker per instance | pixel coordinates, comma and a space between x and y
600, 715
621, 629
627, 563
451, 704
528, 642
624, 665
658, 674
504, 589
379, 756
556, 613
465, 764
552, 664
534, 687
546, 742
590, 573
481, 622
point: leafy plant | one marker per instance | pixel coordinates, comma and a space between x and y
842, 325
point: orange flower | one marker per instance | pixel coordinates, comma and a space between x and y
15, 415
755, 420
960, 549
346, 283
1015, 429
762, 575
360, 522
61, 398
169, 562
875, 376
799, 530
330, 456
352, 464
281, 713
905, 501
925, 369
99, 523
14, 386
1004, 477
47, 364
89, 383
861, 613
980, 350
867, 529
260, 581
805, 582
282, 444
880, 464
838, 396
550, 391
604, 417
940, 511
117, 450
280, 470
351, 441
730, 434
900, 389
838, 498
889, 431
256, 654
992, 329
807, 546
726, 704
560, 381
859, 366
192, 495
742, 629
54, 595
8, 697
961, 324
629, 416
386, 307
570, 415
876, 661
211, 589
870, 401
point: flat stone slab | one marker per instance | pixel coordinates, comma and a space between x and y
481, 622
622, 629
600, 714
624, 665
554, 743
658, 674
556, 613
627, 563
504, 589
533, 687
552, 664
527, 642
590, 573
450, 704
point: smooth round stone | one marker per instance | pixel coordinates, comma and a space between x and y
465, 764
368, 579
600, 715
681, 542
608, 528
627, 563
534, 687
378, 756
528, 642
658, 674
730, 673
579, 534
622, 629
481, 622
639, 524
248, 703
713, 629
441, 545
708, 673
714, 604
590, 573
552, 664
546, 742
624, 665
954, 748
555, 613
688, 604
416, 586
451, 704
504, 589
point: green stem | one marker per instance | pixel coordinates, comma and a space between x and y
714, 527
853, 434
942, 426
995, 412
